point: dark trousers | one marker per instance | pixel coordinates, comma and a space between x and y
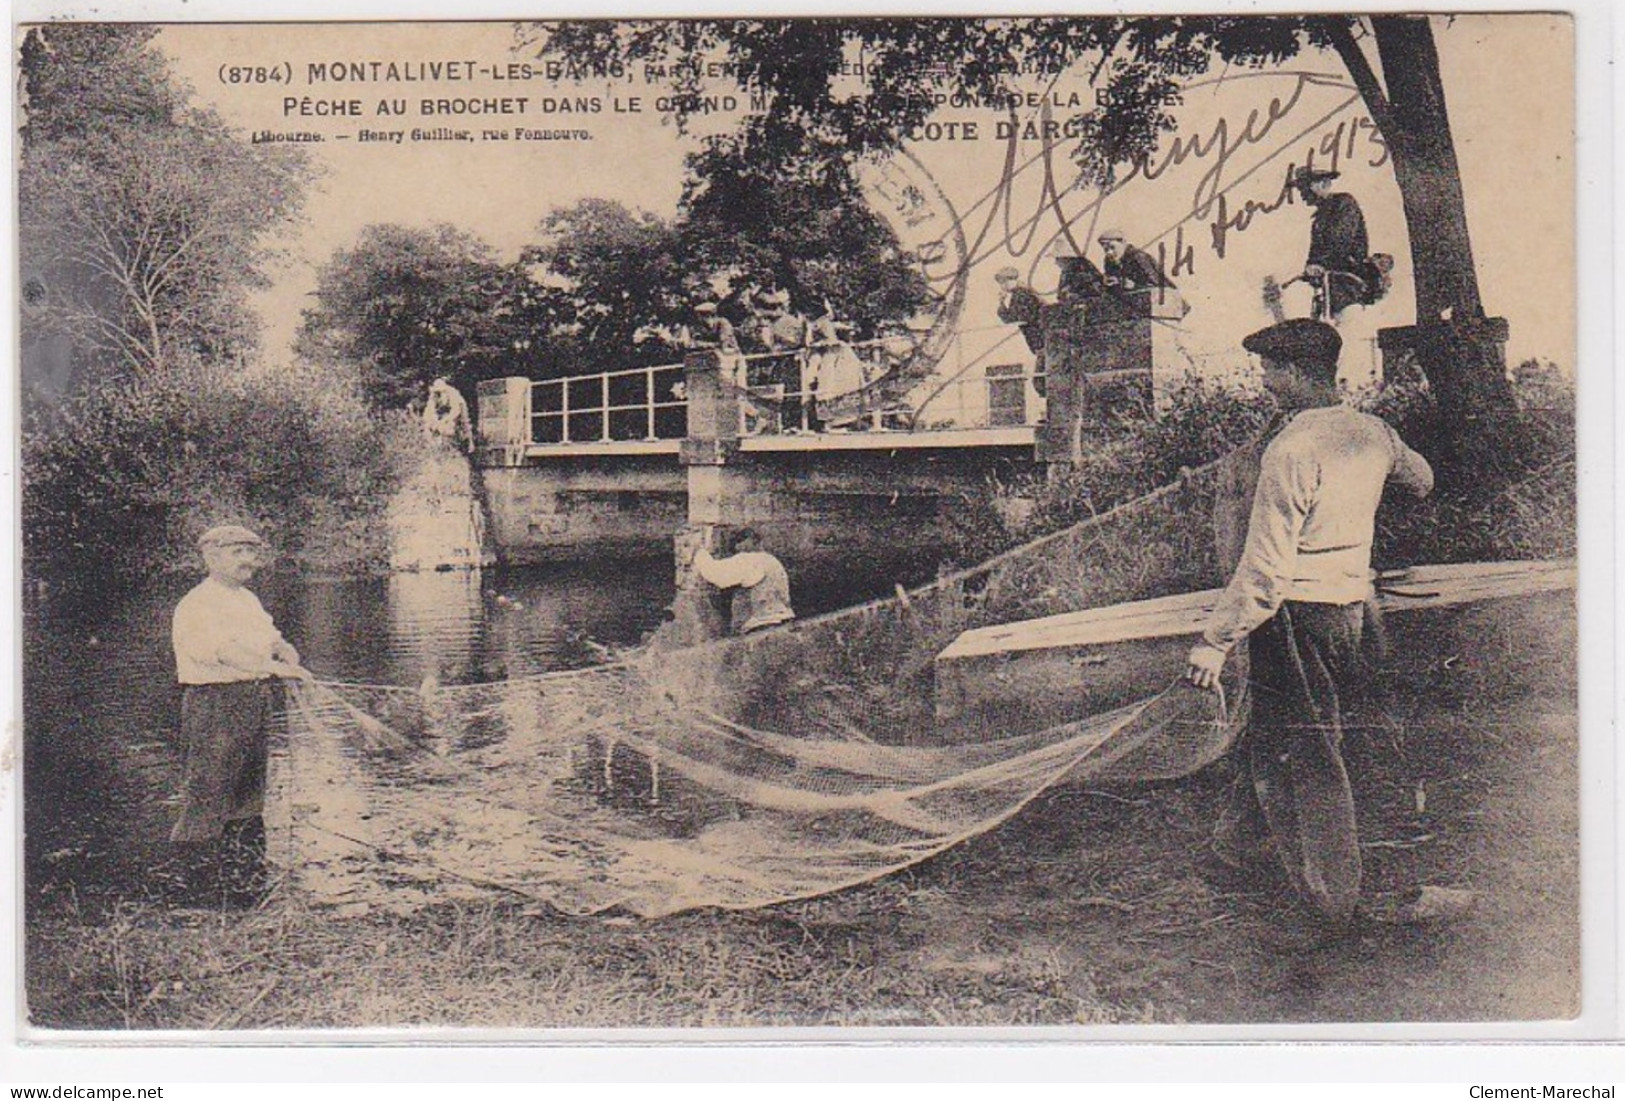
223, 727
1303, 662
220, 833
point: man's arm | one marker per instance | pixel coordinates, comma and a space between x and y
1409, 469
1144, 271
725, 573
1286, 486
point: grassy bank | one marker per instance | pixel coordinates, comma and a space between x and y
1089, 907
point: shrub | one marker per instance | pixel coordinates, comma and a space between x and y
1506, 490
1133, 454
119, 485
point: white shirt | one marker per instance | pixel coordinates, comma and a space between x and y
1313, 517
765, 586
222, 635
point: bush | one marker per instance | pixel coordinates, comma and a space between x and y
119, 485
1134, 454
1505, 491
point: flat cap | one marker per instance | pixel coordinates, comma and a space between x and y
1302, 341
229, 535
1112, 235
706, 307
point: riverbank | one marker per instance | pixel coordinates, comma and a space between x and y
1090, 907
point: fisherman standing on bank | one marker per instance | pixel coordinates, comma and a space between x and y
1298, 595
227, 654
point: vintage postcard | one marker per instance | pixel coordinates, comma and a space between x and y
901, 525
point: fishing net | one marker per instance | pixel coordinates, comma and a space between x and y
753, 770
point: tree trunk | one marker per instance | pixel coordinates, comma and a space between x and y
1461, 352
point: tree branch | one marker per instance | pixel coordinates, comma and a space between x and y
1337, 29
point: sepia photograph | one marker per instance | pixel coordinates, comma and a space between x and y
903, 525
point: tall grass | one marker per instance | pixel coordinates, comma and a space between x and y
1129, 453
1506, 488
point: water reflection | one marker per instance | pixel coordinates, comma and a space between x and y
434, 625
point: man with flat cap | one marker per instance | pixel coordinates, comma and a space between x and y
1338, 248
1298, 595
1080, 280
1020, 305
227, 654
718, 331
1128, 268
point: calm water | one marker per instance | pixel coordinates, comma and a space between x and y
101, 709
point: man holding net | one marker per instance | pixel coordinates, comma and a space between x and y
1298, 595
227, 652
761, 585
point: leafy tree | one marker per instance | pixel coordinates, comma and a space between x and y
1140, 64
83, 78
144, 222
405, 305
618, 278
812, 234
628, 279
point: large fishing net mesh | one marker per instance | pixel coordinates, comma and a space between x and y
753, 770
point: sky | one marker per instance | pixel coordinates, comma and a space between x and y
1514, 141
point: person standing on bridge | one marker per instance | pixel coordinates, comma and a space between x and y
1127, 268
1298, 595
761, 583
227, 656
718, 331
789, 335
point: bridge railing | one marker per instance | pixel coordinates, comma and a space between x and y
644, 403
803, 389
826, 386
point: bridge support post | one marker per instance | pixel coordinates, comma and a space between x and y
1100, 356
503, 421
713, 440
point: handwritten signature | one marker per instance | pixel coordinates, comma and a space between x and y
1006, 229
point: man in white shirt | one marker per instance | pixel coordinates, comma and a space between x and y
1298, 596
227, 652
762, 596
